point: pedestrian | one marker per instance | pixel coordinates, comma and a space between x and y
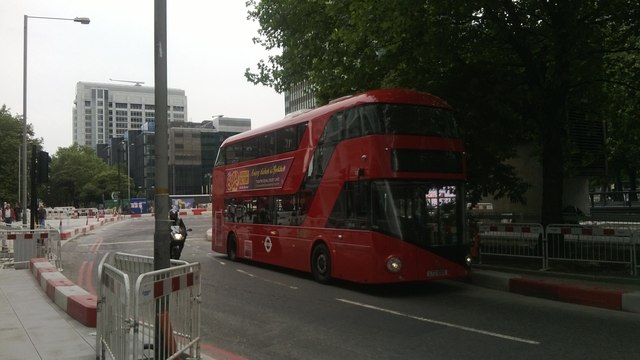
7, 213
42, 215
18, 212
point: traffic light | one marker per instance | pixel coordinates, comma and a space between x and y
43, 167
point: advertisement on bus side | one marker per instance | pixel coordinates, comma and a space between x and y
269, 175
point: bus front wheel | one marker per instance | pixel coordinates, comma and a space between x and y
232, 248
321, 264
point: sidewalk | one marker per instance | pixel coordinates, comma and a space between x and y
33, 327
604, 292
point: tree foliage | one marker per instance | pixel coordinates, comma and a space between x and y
512, 69
80, 178
11, 135
622, 110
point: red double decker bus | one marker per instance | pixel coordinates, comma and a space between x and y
368, 189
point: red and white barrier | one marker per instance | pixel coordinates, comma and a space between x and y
66, 235
76, 301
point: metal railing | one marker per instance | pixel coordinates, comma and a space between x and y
128, 316
513, 240
590, 245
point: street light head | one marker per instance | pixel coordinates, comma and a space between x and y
82, 20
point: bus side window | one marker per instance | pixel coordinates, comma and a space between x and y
267, 144
334, 130
300, 130
351, 210
353, 123
250, 150
221, 159
338, 216
370, 119
285, 140
264, 211
234, 153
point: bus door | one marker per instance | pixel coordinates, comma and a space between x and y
350, 236
265, 234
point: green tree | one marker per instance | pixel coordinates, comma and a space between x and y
11, 134
512, 69
80, 178
622, 110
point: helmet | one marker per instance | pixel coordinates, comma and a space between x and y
173, 215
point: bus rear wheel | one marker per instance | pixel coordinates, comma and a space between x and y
232, 248
321, 264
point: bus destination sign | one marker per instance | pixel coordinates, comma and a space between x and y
269, 175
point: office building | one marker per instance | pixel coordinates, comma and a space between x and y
299, 97
107, 110
193, 148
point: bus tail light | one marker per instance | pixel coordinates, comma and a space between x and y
394, 264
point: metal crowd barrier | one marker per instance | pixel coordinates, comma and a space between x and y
28, 244
592, 244
584, 244
52, 248
513, 240
133, 299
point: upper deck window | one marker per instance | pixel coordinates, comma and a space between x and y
392, 119
271, 143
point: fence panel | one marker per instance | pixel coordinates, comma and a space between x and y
28, 244
127, 316
52, 248
114, 322
592, 244
512, 240
170, 299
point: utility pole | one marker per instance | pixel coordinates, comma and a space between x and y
161, 238
161, 235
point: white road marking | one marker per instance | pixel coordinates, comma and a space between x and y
119, 243
267, 280
216, 259
437, 322
244, 272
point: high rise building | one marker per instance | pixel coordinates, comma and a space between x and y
104, 110
299, 97
193, 148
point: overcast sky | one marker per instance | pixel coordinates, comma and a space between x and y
209, 48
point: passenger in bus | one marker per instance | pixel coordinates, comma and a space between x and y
231, 211
240, 212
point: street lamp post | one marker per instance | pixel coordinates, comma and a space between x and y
82, 20
120, 151
129, 145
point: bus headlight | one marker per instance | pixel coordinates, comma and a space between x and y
394, 264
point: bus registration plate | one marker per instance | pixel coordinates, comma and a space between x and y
439, 272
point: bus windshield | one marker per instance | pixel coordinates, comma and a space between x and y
423, 213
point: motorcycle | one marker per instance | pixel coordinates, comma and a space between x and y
178, 233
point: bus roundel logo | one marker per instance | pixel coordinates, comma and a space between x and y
267, 244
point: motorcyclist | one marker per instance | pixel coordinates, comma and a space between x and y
177, 221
